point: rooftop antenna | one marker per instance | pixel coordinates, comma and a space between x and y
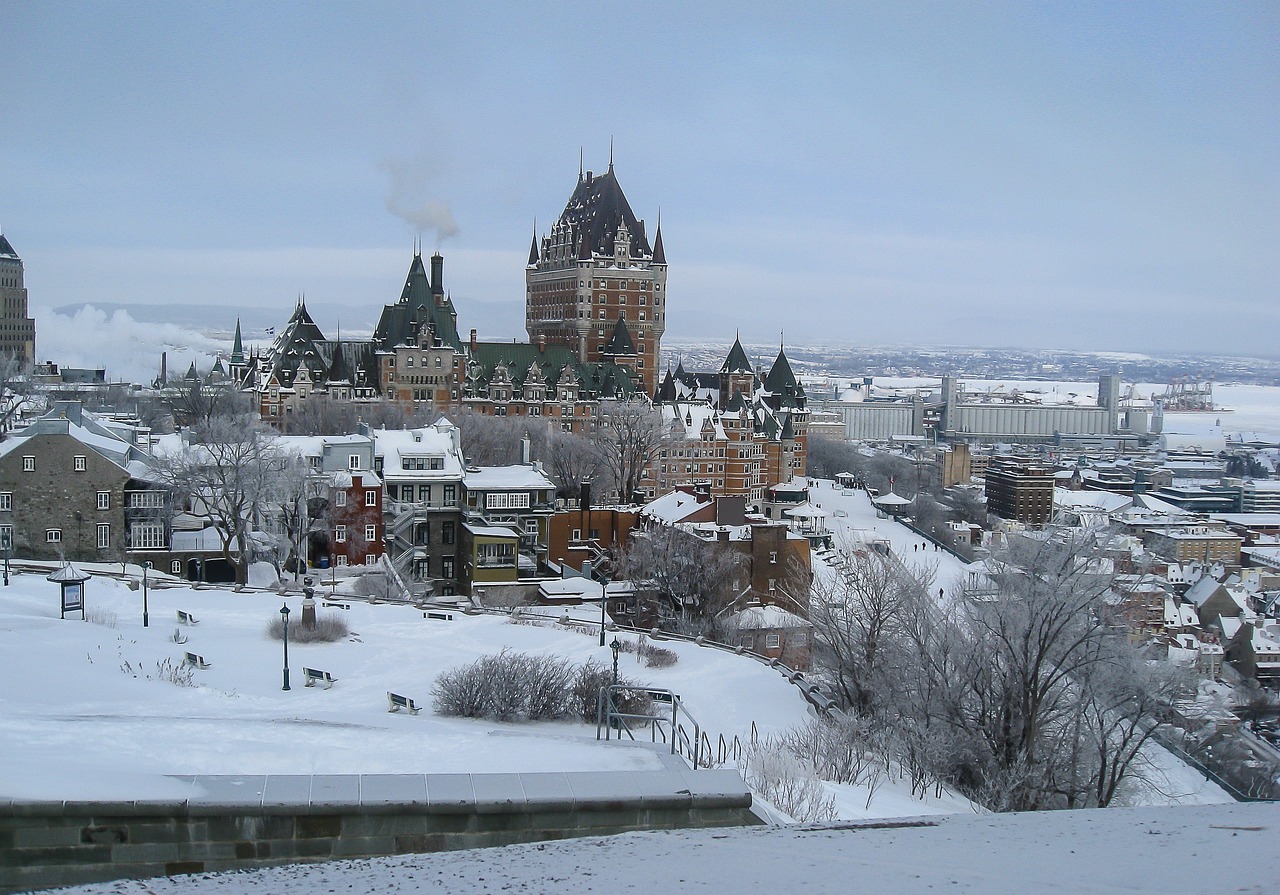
579, 164
611, 153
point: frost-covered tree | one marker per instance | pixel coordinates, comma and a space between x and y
231, 473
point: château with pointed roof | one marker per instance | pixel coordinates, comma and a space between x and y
17, 330
596, 269
733, 433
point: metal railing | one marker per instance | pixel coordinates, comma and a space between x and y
676, 728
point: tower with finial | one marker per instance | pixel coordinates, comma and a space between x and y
594, 268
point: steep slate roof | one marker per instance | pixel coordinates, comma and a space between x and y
297, 345
737, 361
620, 343
659, 256
417, 308
595, 210
237, 347
6, 249
783, 388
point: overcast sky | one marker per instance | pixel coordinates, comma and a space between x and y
1065, 175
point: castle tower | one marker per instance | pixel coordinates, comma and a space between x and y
17, 330
594, 267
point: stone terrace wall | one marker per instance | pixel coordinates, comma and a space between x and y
259, 821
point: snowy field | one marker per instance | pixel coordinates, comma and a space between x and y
76, 723
1170, 851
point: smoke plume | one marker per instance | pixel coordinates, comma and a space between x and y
409, 197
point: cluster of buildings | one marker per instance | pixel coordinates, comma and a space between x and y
83, 486
595, 313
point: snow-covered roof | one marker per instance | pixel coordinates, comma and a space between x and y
761, 618
491, 531
435, 441
891, 500
1100, 501
806, 511
506, 478
675, 506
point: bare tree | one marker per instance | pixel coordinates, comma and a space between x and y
691, 578
322, 415
290, 500
230, 474
570, 460
15, 389
1020, 691
196, 403
859, 612
492, 440
628, 437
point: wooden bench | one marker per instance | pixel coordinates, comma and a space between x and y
197, 661
439, 616
328, 605
186, 618
316, 676
398, 702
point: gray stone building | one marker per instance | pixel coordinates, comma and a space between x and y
76, 487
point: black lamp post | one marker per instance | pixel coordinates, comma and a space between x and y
284, 615
617, 648
8, 546
146, 620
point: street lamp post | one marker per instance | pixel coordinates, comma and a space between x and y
146, 619
8, 546
617, 648
284, 615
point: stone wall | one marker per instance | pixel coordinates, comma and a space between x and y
258, 821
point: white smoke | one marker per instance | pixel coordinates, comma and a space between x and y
127, 349
409, 196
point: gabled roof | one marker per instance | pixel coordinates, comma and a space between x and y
595, 210
605, 379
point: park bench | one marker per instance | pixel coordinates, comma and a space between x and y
196, 661
186, 618
316, 676
439, 616
398, 702
327, 605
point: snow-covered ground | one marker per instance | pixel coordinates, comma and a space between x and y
852, 518
76, 724
1170, 851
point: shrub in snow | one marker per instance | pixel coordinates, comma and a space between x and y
507, 687
782, 780
588, 680
101, 617
177, 673
657, 656
511, 686
329, 629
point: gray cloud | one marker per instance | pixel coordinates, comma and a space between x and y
409, 196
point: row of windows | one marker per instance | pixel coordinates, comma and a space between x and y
340, 533
6, 501
340, 498
79, 463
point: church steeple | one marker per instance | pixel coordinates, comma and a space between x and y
237, 347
